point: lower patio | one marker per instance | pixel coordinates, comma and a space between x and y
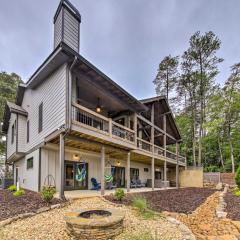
78, 194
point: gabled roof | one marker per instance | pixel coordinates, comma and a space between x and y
64, 54
167, 110
11, 108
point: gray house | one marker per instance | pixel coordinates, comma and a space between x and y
72, 125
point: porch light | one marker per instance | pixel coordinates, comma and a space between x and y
76, 157
118, 163
98, 107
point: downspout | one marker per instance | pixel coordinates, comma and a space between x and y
67, 127
69, 97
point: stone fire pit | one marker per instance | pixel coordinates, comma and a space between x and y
99, 224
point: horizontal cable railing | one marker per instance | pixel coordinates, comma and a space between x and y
122, 132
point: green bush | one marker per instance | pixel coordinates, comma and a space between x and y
119, 194
237, 177
237, 193
12, 188
19, 193
48, 193
140, 203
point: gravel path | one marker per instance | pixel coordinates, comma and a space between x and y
206, 226
51, 226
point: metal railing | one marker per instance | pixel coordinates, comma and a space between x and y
89, 118
97, 122
144, 145
122, 132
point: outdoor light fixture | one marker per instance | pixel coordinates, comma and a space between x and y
118, 163
98, 107
76, 157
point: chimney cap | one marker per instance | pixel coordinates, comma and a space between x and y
70, 7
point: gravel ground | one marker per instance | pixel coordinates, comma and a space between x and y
183, 200
233, 206
11, 206
51, 226
206, 226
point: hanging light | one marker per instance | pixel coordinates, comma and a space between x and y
98, 107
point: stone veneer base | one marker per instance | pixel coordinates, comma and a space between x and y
90, 228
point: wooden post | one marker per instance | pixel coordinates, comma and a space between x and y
164, 136
61, 158
165, 153
110, 127
102, 170
177, 166
128, 171
165, 174
135, 128
152, 142
153, 173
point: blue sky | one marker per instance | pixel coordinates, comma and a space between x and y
124, 39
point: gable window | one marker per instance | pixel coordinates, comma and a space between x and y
30, 163
27, 131
13, 132
40, 118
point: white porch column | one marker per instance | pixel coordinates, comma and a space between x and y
153, 173
165, 153
177, 166
165, 174
61, 158
102, 170
128, 171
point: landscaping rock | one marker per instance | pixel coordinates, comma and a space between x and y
219, 186
51, 225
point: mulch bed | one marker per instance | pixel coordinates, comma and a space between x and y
233, 206
11, 206
184, 200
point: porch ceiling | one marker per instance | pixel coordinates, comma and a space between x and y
79, 142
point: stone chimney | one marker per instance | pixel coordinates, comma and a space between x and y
67, 25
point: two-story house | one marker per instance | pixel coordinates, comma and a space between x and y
70, 116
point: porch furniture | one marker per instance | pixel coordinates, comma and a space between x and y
140, 184
96, 185
110, 185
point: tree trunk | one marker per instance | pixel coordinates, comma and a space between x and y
231, 154
220, 153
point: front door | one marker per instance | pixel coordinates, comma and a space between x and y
72, 171
119, 176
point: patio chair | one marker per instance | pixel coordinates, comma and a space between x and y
96, 185
133, 183
110, 185
140, 184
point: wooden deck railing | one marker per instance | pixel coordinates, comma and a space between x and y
95, 121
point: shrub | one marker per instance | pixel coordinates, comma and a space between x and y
19, 193
140, 203
48, 193
237, 193
12, 188
237, 177
119, 194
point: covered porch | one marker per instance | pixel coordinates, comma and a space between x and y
78, 194
100, 159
